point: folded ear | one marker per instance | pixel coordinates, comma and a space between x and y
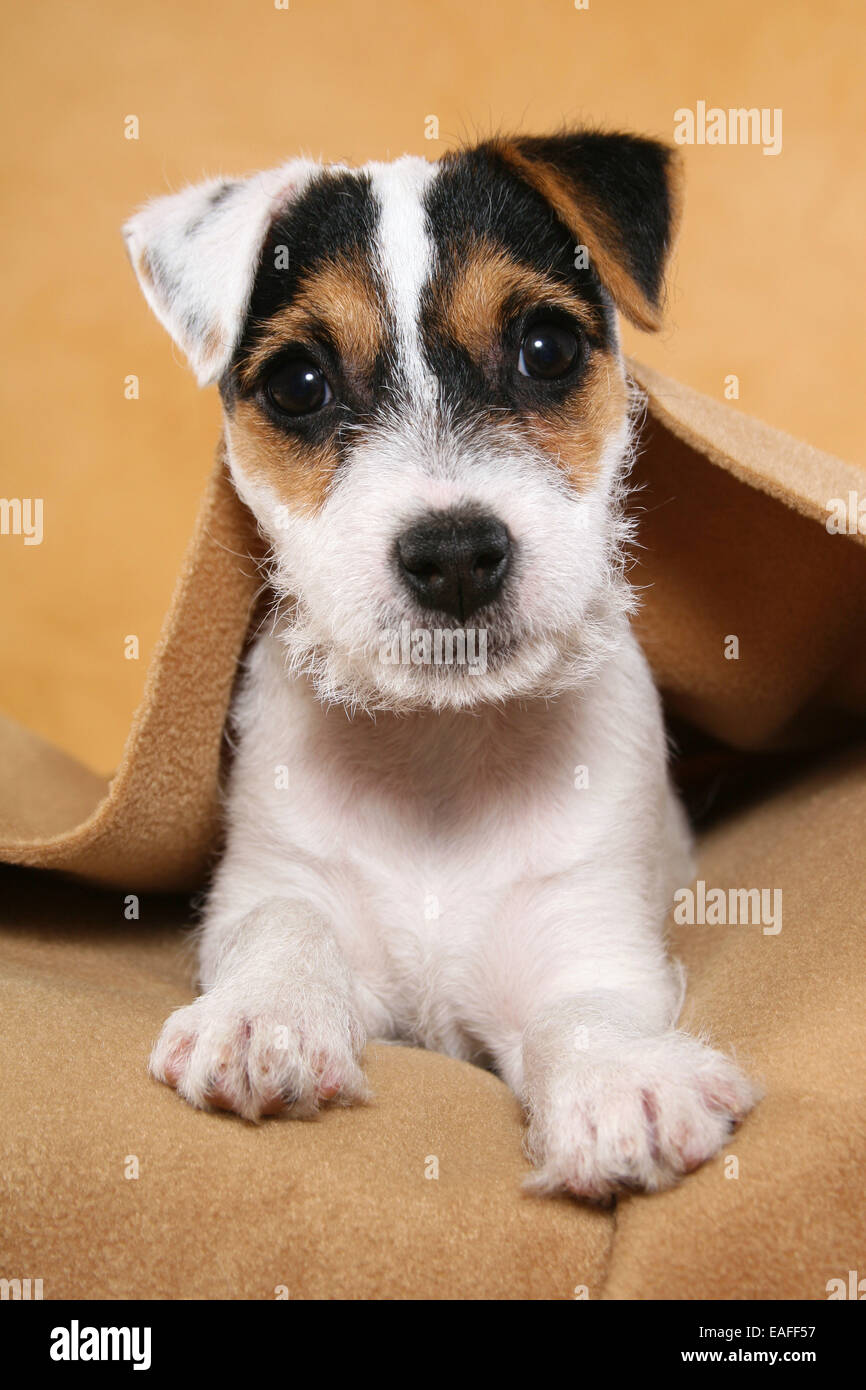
620, 196
196, 253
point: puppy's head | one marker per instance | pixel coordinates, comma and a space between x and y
425, 403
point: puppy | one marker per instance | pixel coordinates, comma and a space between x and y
449, 818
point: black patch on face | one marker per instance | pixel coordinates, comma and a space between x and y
335, 217
476, 197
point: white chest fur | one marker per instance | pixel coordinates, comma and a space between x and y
436, 845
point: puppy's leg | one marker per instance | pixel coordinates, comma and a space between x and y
615, 1098
614, 1104
277, 1027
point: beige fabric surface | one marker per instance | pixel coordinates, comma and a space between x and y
340, 1207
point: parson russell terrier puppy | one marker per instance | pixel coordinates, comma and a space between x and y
427, 412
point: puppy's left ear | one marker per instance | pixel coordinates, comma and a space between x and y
620, 196
196, 253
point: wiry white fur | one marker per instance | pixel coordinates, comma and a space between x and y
608, 1098
566, 597
433, 871
276, 1027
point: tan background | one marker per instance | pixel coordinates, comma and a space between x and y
768, 281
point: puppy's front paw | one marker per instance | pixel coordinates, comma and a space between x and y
262, 1058
634, 1113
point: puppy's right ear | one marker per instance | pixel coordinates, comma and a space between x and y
196, 254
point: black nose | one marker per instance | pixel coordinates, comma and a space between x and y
453, 564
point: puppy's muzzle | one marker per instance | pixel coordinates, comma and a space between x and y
454, 564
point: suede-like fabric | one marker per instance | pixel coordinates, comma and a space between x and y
341, 1207
732, 544
154, 824
337, 1207
793, 1006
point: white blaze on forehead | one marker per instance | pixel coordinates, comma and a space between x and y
405, 255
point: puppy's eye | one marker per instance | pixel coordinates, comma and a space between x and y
548, 351
298, 388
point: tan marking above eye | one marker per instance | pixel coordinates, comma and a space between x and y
339, 296
473, 311
489, 285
